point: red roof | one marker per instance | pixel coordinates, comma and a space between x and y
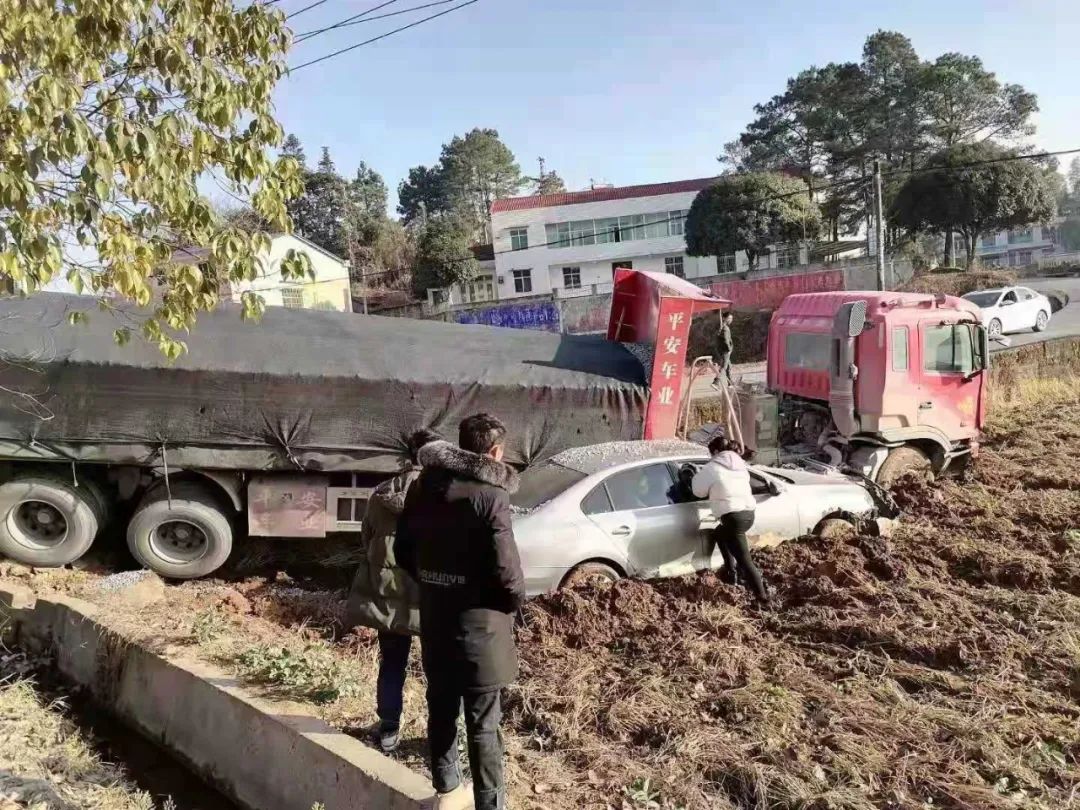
599, 195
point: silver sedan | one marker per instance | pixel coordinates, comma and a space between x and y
620, 509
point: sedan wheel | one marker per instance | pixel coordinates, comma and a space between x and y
1041, 320
590, 573
994, 328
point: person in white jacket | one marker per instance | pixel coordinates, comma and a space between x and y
725, 481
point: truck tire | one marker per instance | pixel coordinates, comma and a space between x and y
46, 521
187, 538
900, 462
590, 573
1041, 321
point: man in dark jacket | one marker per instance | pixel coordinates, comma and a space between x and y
384, 596
724, 347
455, 537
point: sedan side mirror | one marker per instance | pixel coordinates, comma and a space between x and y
775, 488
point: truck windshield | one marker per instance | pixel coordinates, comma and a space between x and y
542, 483
949, 349
983, 299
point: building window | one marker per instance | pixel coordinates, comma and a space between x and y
571, 278
623, 264
1021, 236
519, 238
674, 265
481, 289
725, 264
1021, 258
523, 281
989, 240
900, 348
616, 229
292, 297
787, 256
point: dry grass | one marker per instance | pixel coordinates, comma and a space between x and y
46, 763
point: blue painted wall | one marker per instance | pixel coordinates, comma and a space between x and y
542, 315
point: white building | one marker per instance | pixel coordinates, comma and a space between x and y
1018, 247
570, 244
329, 289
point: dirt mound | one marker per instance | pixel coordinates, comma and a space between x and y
937, 668
957, 282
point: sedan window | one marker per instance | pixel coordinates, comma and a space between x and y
542, 483
983, 300
596, 502
641, 488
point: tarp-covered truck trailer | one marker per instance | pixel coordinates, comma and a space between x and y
272, 429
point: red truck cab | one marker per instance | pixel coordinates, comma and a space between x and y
882, 381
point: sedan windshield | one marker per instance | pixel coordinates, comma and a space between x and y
983, 299
542, 483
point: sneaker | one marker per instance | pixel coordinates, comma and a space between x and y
460, 798
389, 739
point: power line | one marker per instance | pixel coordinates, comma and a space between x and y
305, 8
381, 36
341, 23
350, 21
975, 163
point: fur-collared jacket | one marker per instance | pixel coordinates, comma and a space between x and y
455, 538
383, 595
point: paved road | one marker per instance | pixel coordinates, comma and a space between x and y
1063, 323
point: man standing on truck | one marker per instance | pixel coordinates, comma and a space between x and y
724, 347
384, 596
456, 539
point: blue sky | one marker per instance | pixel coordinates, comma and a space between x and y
631, 91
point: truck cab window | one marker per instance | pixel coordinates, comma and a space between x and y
900, 348
807, 350
949, 349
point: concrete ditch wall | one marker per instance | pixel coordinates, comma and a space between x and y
265, 755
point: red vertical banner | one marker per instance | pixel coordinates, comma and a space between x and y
668, 371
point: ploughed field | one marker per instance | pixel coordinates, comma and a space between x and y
936, 668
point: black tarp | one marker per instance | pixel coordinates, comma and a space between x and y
300, 389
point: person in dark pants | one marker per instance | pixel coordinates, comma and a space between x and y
725, 481
724, 347
383, 596
455, 537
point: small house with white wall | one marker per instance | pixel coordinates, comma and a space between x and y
329, 289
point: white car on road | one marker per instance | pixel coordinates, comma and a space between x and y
619, 509
1011, 309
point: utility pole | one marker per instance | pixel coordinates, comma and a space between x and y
879, 227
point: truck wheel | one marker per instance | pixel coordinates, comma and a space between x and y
993, 329
185, 539
590, 573
47, 522
900, 462
1041, 320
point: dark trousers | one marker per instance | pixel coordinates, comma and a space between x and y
483, 713
723, 367
730, 535
393, 661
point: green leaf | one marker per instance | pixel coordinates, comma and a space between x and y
122, 336
75, 318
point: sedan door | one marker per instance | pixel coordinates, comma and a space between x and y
1011, 313
640, 509
1031, 304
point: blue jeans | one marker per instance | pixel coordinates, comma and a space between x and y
393, 661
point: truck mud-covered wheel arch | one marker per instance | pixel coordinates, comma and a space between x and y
186, 536
901, 461
48, 521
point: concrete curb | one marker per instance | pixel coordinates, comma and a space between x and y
265, 755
